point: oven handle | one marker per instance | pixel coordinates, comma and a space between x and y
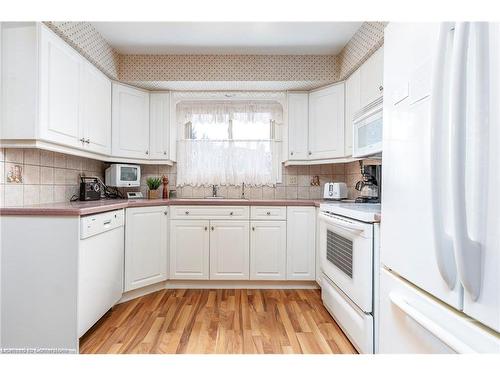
342, 223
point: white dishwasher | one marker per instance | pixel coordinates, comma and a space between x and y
100, 266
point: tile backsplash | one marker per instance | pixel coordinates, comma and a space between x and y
296, 183
53, 177
46, 176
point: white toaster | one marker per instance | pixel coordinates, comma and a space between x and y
335, 190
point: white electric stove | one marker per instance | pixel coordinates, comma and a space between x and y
348, 251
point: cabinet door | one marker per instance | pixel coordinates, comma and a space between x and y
326, 123
95, 111
189, 249
372, 77
159, 104
352, 105
59, 91
298, 124
268, 250
130, 122
145, 246
229, 250
301, 244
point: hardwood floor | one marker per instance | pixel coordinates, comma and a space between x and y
219, 321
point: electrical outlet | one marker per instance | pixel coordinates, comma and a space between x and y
292, 180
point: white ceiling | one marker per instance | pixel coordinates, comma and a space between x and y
233, 38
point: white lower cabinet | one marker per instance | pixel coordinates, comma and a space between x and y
276, 243
189, 249
268, 250
146, 246
229, 250
301, 243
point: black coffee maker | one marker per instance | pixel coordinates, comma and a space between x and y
369, 186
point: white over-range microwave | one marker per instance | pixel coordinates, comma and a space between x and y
367, 130
123, 175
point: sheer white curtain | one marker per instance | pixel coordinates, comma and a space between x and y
203, 163
227, 143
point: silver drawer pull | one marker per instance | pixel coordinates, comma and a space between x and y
107, 222
187, 212
268, 213
206, 228
231, 213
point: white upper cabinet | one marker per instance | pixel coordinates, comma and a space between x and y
268, 250
301, 243
326, 122
298, 125
95, 111
352, 105
130, 122
54, 95
60, 67
145, 246
372, 78
159, 118
229, 250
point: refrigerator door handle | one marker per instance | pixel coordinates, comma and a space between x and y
445, 256
467, 252
431, 326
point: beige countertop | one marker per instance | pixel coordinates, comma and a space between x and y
86, 208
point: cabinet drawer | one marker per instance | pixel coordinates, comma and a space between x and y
210, 213
268, 213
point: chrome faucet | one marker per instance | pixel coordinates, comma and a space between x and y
214, 191
242, 190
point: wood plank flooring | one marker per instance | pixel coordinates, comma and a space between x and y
221, 321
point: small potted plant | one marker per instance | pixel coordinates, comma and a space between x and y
153, 185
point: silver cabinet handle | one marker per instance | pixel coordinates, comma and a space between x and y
231, 213
164, 152
206, 228
291, 152
380, 88
268, 213
87, 140
253, 228
310, 153
82, 140
165, 213
187, 212
147, 152
213, 228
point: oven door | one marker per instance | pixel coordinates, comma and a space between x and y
346, 257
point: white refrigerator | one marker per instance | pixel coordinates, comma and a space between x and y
440, 227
